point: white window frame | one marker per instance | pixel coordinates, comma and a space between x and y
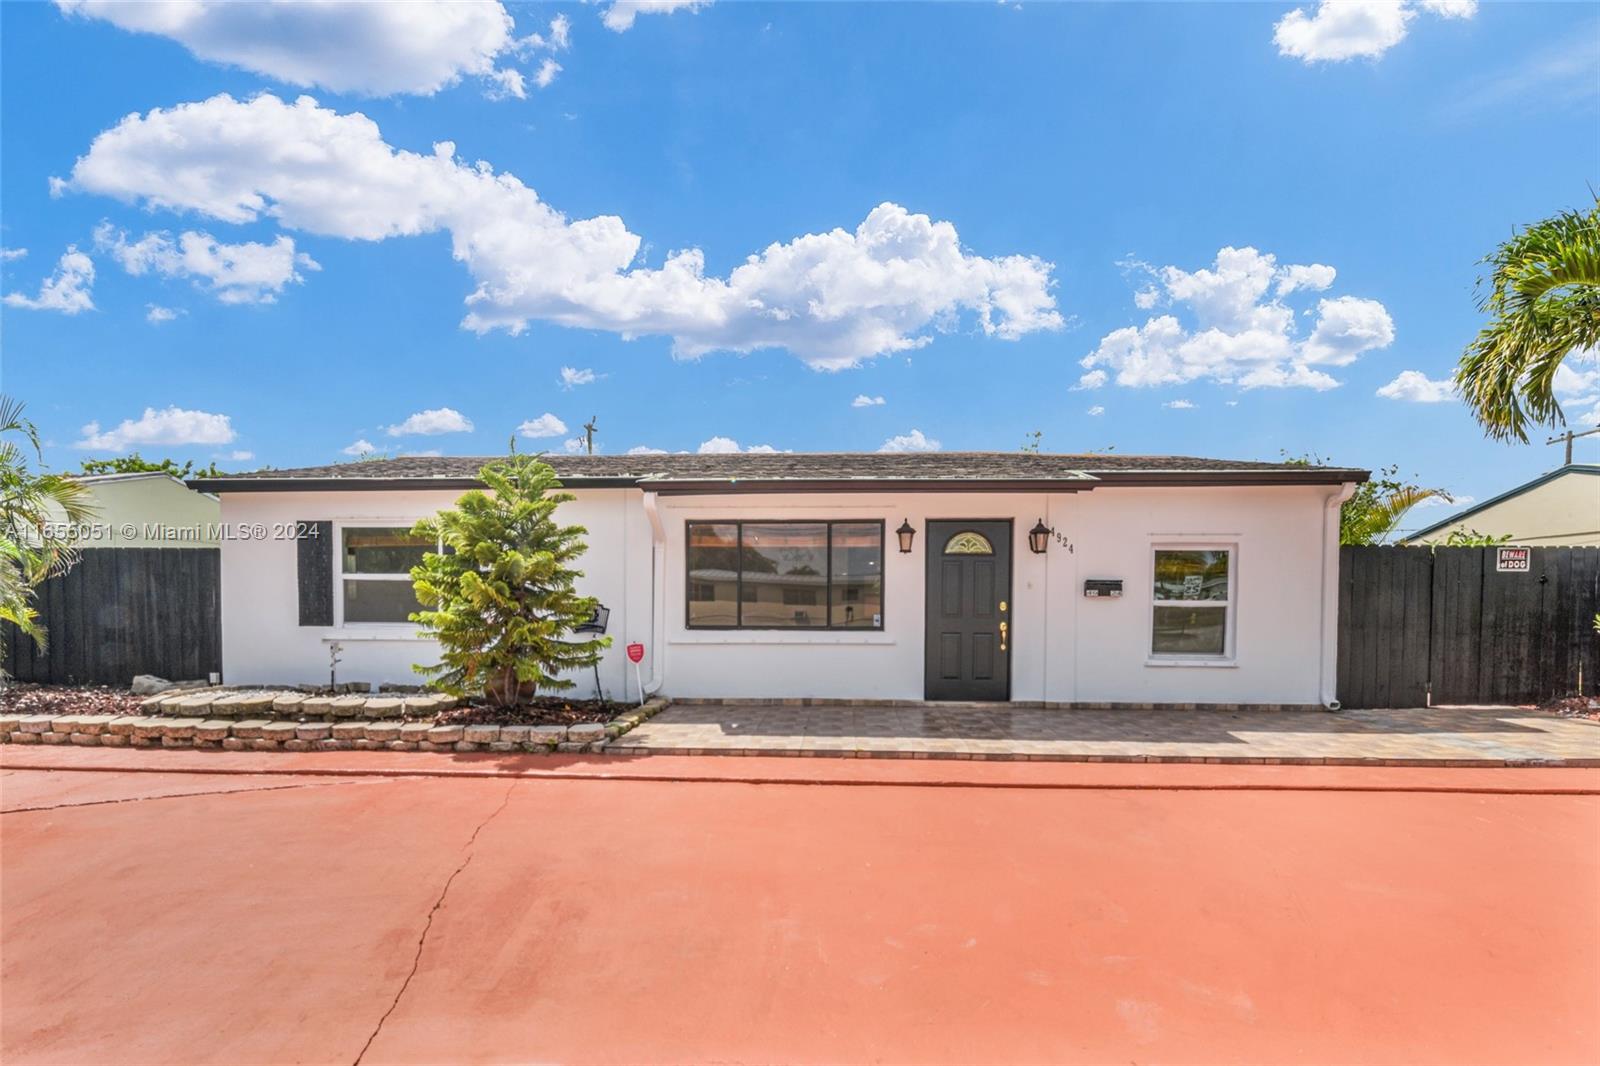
340, 577
1229, 656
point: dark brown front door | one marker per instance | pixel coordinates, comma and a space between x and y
968, 646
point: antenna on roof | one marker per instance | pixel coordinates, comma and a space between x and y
588, 433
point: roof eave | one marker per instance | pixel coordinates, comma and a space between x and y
1078, 482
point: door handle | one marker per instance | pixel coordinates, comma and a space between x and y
1003, 636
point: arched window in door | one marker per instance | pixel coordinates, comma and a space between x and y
968, 543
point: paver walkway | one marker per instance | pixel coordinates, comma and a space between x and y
1475, 735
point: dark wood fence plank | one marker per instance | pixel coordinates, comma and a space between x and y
126, 611
1447, 621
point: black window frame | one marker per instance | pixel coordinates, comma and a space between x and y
738, 553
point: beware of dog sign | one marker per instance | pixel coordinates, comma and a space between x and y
1512, 560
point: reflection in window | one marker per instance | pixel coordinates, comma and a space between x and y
857, 575
968, 544
376, 567
713, 574
785, 575
1192, 592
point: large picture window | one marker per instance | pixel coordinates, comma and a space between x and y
1193, 596
785, 575
375, 565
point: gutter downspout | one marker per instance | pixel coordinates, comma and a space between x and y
658, 595
1328, 661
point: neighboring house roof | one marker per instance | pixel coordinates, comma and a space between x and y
799, 471
1591, 469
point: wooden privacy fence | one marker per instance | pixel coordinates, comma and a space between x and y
126, 611
1450, 625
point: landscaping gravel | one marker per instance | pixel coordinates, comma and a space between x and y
67, 699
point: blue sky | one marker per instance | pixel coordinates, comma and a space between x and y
274, 282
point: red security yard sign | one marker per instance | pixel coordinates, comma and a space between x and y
635, 656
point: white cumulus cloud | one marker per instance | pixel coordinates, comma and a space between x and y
915, 441
1096, 410
728, 446
67, 289
8, 255
864, 400
834, 299
645, 449
546, 425
246, 273
155, 314
1178, 405
1414, 386
432, 422
619, 15
348, 46
1577, 387
572, 376
170, 426
1338, 30
361, 446
1242, 330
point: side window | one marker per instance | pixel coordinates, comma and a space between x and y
375, 570
1193, 596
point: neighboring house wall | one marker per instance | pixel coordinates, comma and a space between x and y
1562, 508
1064, 647
150, 511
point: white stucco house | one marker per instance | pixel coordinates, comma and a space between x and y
1057, 579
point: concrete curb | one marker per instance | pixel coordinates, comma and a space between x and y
793, 774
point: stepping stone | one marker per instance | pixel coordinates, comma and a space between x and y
348, 706
289, 703
384, 707
317, 706
480, 734
215, 729
257, 703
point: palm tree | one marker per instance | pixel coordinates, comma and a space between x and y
1544, 299
37, 514
1375, 511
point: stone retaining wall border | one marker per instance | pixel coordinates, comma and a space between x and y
345, 733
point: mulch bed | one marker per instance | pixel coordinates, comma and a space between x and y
68, 699
1574, 707
546, 710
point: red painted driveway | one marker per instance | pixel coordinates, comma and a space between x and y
182, 917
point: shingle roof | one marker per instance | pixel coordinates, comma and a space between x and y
794, 470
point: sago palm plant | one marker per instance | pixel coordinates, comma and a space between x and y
38, 512
1543, 294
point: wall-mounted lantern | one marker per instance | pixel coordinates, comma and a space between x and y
906, 534
1039, 538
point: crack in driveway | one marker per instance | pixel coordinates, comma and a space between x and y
175, 795
422, 939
